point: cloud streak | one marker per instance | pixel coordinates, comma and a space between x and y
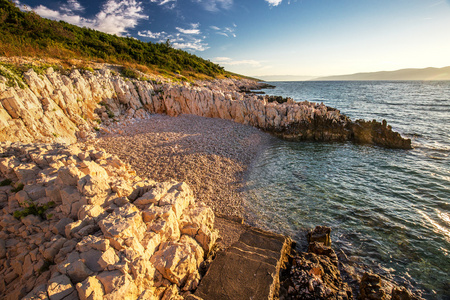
225, 31
215, 5
230, 62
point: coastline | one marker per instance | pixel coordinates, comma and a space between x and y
207, 150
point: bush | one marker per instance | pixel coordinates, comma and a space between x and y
32, 209
5, 182
18, 188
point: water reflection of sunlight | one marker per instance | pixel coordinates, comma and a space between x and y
438, 228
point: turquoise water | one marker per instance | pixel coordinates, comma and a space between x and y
389, 209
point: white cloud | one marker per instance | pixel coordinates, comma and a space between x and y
152, 35
230, 62
215, 5
164, 2
71, 6
186, 39
115, 17
193, 30
274, 2
195, 45
226, 31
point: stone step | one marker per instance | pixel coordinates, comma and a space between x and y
248, 269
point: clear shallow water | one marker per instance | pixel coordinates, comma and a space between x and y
389, 209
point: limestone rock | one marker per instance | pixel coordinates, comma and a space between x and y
176, 260
90, 289
93, 242
78, 271
107, 246
118, 285
124, 222
59, 287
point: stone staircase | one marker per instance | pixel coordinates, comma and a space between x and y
248, 269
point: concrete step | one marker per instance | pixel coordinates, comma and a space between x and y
248, 269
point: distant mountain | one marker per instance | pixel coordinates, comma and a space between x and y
404, 74
284, 78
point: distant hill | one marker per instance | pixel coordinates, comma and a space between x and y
27, 34
404, 74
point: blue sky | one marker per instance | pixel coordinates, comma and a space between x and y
277, 37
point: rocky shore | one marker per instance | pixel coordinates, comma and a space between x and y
60, 107
77, 223
104, 195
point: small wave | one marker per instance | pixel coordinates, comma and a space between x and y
438, 227
436, 148
444, 217
436, 156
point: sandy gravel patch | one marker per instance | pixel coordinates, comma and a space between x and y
211, 155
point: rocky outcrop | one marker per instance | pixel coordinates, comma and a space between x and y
58, 107
77, 222
316, 275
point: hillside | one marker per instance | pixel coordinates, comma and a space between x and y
27, 34
404, 74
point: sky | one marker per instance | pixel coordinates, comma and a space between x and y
277, 37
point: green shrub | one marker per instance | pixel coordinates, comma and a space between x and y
130, 73
12, 74
18, 188
5, 182
30, 208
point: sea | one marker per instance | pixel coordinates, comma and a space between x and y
389, 210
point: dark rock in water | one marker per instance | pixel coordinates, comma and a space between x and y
402, 293
279, 99
376, 133
321, 249
371, 288
315, 276
320, 234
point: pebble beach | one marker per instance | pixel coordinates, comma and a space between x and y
211, 155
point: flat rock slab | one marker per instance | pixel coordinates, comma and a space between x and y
248, 269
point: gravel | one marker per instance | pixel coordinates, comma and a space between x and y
211, 155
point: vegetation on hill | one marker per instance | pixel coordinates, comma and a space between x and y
27, 34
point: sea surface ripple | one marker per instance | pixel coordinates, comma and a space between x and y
389, 209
